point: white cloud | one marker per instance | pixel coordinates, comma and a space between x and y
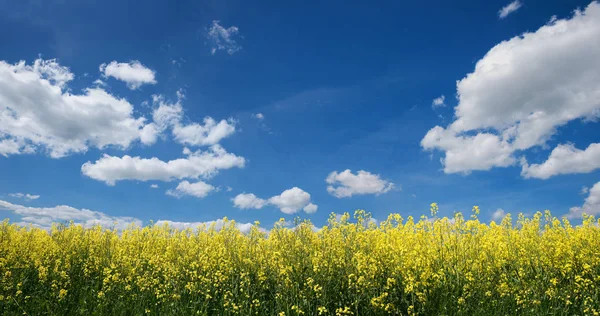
591, 206
584, 190
259, 116
498, 215
149, 134
221, 38
43, 217
206, 164
201, 135
154, 186
198, 189
37, 111
467, 153
294, 226
167, 114
291, 201
10, 147
248, 201
170, 115
133, 73
565, 159
25, 196
509, 8
216, 224
310, 208
346, 184
519, 94
99, 83
438, 102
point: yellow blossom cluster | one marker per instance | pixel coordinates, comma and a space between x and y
435, 266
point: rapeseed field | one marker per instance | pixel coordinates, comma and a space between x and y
541, 265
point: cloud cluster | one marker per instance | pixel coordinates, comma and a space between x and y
346, 184
39, 113
521, 92
170, 116
289, 201
43, 217
205, 164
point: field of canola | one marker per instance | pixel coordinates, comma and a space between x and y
522, 266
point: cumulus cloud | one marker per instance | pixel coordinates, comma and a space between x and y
205, 164
565, 159
198, 189
149, 134
509, 8
221, 38
289, 201
346, 184
310, 208
248, 201
25, 196
591, 206
133, 73
201, 135
38, 112
154, 186
438, 102
464, 154
519, 94
498, 215
170, 115
43, 217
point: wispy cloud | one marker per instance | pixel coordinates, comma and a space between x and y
25, 196
438, 102
221, 38
509, 8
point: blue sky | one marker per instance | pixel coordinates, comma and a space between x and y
112, 98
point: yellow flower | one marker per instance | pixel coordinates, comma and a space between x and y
62, 294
